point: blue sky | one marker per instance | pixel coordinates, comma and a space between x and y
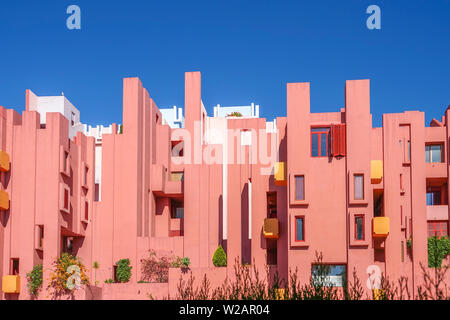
246, 50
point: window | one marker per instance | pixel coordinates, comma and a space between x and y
86, 210
41, 236
438, 228
66, 199
329, 275
433, 196
433, 153
319, 142
67, 244
86, 170
177, 148
14, 266
177, 208
358, 182
299, 229
359, 227
299, 187
66, 161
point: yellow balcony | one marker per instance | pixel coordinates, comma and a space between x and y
378, 294
11, 284
279, 174
376, 171
270, 228
4, 161
380, 227
4, 200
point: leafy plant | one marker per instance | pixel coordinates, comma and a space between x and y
409, 243
123, 272
34, 279
156, 269
95, 266
234, 114
220, 257
185, 262
438, 249
60, 274
109, 280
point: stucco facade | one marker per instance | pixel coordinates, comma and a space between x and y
271, 193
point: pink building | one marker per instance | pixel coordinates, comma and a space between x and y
269, 192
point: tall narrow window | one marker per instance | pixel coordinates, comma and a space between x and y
66, 199
65, 161
319, 142
41, 236
299, 229
358, 186
299, 187
14, 266
359, 227
85, 182
86, 210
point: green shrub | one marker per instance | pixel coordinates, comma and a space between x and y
438, 249
34, 279
109, 280
185, 262
220, 257
123, 272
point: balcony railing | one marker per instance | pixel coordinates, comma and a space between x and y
279, 174
381, 226
4, 200
4, 161
270, 228
439, 212
11, 284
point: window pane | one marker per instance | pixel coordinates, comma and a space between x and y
315, 145
299, 230
359, 228
359, 187
427, 154
329, 275
323, 145
299, 188
429, 198
436, 153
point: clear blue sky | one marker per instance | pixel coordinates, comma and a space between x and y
246, 50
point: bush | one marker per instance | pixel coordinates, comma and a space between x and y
63, 280
185, 262
220, 257
34, 279
109, 280
438, 249
123, 272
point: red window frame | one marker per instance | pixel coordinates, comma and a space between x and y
437, 228
356, 227
325, 130
86, 210
303, 228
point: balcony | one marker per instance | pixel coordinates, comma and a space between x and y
376, 171
439, 212
4, 161
270, 228
4, 200
279, 174
11, 284
380, 227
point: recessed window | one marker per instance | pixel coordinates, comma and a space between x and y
86, 210
66, 161
66, 199
300, 188
177, 208
328, 275
433, 153
177, 148
15, 266
86, 170
319, 142
358, 183
433, 196
438, 228
359, 227
299, 229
